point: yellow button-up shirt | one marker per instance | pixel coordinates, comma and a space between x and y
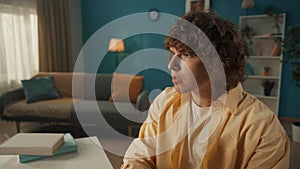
239, 133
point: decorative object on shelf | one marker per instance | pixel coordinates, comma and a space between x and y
292, 52
268, 86
247, 4
267, 71
153, 14
296, 132
275, 14
116, 45
195, 5
249, 69
258, 49
248, 33
276, 50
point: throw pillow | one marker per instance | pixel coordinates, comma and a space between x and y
41, 88
125, 87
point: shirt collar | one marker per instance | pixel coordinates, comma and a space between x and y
234, 97
230, 99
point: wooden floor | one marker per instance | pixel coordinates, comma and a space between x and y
8, 129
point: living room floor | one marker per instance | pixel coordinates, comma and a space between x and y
7, 129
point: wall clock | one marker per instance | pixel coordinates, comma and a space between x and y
153, 14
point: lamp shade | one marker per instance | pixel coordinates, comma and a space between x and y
247, 4
116, 45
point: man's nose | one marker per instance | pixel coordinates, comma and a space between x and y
174, 63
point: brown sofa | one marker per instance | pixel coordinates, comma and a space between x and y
13, 106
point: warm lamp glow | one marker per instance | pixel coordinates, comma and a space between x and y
116, 45
247, 4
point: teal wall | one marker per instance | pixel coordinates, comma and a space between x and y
231, 9
96, 13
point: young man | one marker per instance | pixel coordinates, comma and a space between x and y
207, 121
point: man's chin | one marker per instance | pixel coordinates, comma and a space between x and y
181, 90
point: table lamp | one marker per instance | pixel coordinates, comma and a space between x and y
116, 45
247, 4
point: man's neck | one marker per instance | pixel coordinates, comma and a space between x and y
203, 99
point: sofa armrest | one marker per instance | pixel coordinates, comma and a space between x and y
10, 97
142, 102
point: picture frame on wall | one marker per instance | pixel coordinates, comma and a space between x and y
194, 5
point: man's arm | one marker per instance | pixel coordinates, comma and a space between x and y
140, 153
273, 149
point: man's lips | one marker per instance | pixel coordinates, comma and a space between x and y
176, 80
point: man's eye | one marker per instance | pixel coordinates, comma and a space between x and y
186, 56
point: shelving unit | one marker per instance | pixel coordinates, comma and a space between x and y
264, 54
265, 57
262, 77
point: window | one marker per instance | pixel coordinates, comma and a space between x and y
19, 42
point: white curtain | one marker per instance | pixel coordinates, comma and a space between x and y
18, 42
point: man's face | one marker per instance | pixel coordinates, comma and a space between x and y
188, 72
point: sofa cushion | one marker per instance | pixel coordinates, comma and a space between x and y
102, 84
115, 116
63, 83
58, 108
126, 113
126, 87
39, 89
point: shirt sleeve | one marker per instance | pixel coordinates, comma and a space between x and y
141, 152
273, 149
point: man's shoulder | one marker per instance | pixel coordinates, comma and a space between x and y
245, 104
164, 98
256, 112
166, 95
160, 102
257, 107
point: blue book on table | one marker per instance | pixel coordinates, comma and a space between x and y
68, 146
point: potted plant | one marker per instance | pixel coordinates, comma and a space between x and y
248, 34
268, 86
275, 14
292, 53
267, 71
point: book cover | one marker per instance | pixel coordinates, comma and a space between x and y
32, 144
68, 146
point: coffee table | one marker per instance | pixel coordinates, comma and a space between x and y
89, 155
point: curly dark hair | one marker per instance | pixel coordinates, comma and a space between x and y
223, 35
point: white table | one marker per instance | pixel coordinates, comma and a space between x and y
90, 155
